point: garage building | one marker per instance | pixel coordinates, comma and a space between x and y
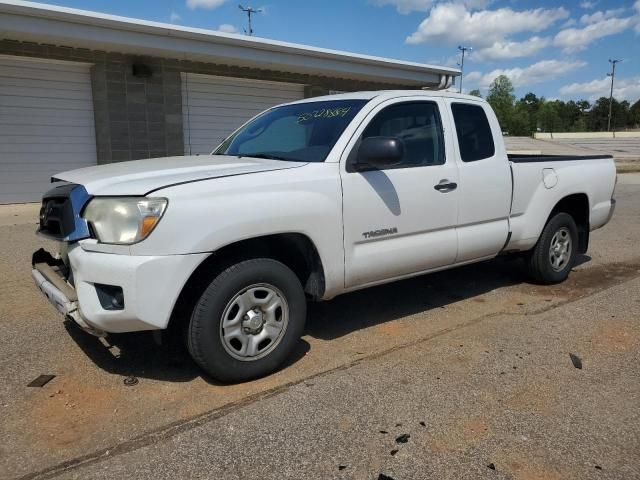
80, 88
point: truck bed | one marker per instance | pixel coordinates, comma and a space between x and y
542, 181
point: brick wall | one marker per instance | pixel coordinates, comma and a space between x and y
138, 117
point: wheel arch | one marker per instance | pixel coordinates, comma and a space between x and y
576, 205
295, 250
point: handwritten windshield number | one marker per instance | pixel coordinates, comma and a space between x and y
323, 113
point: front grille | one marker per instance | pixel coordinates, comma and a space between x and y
56, 217
60, 213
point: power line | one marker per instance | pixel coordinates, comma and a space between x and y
612, 75
249, 11
463, 50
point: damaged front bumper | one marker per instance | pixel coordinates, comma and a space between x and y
50, 276
113, 293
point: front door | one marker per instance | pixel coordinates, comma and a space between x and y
402, 219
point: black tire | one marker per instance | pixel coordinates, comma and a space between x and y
539, 260
204, 336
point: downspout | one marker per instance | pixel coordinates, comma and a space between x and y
445, 82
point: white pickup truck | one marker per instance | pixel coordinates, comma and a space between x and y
307, 200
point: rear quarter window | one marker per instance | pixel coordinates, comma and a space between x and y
475, 137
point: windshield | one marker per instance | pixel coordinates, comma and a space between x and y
304, 132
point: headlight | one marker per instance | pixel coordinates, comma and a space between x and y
124, 220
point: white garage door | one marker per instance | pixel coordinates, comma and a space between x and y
46, 124
213, 107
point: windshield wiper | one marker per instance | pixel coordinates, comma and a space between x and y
268, 156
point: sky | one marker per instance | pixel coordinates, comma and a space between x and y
556, 49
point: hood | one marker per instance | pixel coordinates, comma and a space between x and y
141, 177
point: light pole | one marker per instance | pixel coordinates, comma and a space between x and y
612, 75
463, 50
249, 11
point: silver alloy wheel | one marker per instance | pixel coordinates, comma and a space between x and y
254, 322
560, 249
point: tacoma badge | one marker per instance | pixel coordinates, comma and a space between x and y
380, 233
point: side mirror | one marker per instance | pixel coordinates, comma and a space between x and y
380, 152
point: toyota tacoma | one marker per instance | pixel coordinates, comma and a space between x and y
307, 201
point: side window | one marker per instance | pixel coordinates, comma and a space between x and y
418, 125
475, 137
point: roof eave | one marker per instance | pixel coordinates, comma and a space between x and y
62, 26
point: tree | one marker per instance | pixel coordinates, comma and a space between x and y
634, 115
532, 113
599, 114
476, 93
569, 114
501, 99
520, 122
528, 106
532, 101
548, 116
583, 105
622, 116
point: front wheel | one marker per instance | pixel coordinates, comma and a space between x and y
554, 255
247, 321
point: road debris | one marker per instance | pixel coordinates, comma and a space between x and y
130, 381
404, 438
41, 380
491, 466
394, 451
382, 476
577, 361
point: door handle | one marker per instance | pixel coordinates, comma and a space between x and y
445, 186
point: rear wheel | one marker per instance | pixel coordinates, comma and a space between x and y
247, 321
554, 255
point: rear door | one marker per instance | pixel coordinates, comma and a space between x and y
396, 222
485, 181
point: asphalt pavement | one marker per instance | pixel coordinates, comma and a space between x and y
495, 399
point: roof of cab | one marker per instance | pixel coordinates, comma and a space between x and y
388, 94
